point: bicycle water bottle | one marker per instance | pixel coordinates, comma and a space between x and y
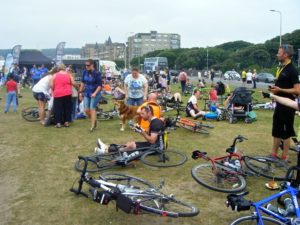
237, 164
133, 154
125, 155
276, 210
289, 206
230, 164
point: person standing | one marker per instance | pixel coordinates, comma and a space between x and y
286, 85
136, 88
254, 76
12, 92
244, 76
42, 93
89, 91
61, 84
35, 75
249, 77
212, 75
182, 78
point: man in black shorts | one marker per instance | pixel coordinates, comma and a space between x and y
156, 127
286, 85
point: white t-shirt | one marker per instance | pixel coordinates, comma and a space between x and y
193, 99
135, 86
249, 76
43, 86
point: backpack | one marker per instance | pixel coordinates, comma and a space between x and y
252, 116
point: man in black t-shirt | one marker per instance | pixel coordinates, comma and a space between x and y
286, 85
152, 137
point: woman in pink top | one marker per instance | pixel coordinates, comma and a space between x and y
61, 84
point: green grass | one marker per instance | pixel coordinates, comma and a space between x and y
37, 170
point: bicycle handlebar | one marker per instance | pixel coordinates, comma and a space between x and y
239, 138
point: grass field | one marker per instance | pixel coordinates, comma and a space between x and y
37, 170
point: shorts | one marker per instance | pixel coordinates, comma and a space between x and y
142, 144
283, 123
244, 79
135, 101
91, 103
40, 96
249, 82
108, 78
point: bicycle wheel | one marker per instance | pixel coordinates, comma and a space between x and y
96, 163
217, 179
266, 167
127, 181
252, 220
31, 114
194, 129
164, 205
168, 158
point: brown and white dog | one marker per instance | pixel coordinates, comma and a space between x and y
127, 112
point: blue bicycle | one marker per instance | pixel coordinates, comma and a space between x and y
290, 215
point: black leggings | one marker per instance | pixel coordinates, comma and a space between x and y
62, 109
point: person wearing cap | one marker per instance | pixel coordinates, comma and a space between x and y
286, 85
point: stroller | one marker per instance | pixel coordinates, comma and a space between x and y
239, 106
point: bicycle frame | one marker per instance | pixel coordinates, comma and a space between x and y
259, 205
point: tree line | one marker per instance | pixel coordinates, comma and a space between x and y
236, 55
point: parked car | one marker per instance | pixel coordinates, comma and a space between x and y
265, 77
232, 75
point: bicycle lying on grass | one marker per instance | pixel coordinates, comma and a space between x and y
31, 114
132, 194
289, 215
156, 156
227, 173
188, 124
107, 115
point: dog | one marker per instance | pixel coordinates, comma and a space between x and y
127, 112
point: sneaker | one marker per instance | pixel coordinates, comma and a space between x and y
101, 149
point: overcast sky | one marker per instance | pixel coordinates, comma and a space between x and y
43, 23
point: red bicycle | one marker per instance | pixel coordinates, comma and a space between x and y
227, 173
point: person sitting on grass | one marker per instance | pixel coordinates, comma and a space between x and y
157, 112
192, 108
156, 127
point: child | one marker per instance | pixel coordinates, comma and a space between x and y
213, 95
11, 97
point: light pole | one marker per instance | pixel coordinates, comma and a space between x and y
207, 60
125, 51
280, 14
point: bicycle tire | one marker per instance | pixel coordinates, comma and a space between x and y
31, 114
165, 205
195, 130
169, 158
252, 220
216, 182
96, 163
266, 167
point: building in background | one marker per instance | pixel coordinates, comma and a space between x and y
106, 51
142, 43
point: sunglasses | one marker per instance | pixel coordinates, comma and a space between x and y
87, 65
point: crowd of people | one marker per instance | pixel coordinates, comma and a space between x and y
58, 88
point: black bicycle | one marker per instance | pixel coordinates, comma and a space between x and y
107, 115
31, 114
132, 194
155, 156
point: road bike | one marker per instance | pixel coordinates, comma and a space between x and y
272, 215
157, 155
132, 194
227, 173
